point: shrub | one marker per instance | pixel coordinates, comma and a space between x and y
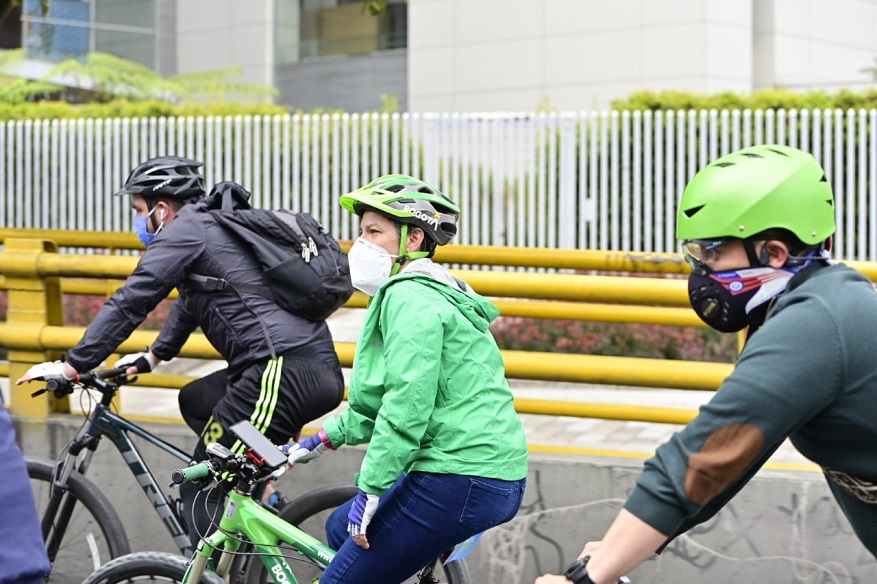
614, 339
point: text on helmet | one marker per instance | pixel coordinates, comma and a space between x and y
428, 219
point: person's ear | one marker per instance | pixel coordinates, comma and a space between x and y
167, 213
415, 239
775, 253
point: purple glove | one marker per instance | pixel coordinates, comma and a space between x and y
309, 448
361, 513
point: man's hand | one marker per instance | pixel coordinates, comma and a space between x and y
138, 362
360, 515
49, 370
552, 579
309, 448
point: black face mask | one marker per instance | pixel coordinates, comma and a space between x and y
726, 300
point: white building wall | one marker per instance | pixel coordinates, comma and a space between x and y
214, 34
815, 44
572, 54
582, 54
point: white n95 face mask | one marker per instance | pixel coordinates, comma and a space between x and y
370, 266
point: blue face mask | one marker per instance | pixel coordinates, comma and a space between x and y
140, 228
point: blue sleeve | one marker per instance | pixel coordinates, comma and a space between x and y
27, 558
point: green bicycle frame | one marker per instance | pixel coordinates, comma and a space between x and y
245, 517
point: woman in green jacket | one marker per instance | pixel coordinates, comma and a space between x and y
447, 457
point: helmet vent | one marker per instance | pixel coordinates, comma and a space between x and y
824, 178
693, 211
395, 188
752, 155
723, 164
778, 152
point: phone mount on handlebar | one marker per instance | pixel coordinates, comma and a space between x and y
270, 455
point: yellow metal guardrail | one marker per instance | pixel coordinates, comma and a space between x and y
35, 276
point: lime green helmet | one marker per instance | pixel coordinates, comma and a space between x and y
409, 201
758, 188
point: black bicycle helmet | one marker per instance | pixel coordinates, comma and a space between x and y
172, 177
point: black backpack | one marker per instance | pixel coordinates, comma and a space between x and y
305, 271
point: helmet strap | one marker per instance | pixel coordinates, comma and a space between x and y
404, 254
754, 260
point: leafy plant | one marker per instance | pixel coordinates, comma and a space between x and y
614, 339
764, 99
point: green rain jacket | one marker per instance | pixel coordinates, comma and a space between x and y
428, 389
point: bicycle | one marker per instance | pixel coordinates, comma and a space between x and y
81, 528
275, 541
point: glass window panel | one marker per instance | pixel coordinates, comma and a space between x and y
74, 28
55, 42
341, 27
139, 48
139, 13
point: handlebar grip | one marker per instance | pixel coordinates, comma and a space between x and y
191, 473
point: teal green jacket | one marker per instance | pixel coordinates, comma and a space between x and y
809, 375
428, 390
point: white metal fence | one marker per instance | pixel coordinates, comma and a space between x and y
591, 180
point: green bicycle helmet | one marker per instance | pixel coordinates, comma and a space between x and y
758, 188
409, 201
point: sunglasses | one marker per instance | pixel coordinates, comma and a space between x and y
698, 252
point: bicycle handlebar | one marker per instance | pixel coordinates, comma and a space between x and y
248, 467
62, 387
192, 473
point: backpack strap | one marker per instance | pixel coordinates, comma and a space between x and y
202, 283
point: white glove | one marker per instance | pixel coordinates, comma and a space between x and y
47, 370
144, 362
308, 449
361, 513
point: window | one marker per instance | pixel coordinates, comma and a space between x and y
73, 28
330, 28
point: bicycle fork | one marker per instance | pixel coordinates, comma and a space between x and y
60, 506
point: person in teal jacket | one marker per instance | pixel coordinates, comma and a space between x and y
447, 456
756, 227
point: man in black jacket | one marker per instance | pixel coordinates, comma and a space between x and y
278, 391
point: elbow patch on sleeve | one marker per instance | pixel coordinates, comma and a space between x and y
723, 457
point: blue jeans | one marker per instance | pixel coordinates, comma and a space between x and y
418, 518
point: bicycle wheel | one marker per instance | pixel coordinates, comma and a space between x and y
89, 536
309, 512
145, 567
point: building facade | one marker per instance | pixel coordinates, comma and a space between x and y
473, 55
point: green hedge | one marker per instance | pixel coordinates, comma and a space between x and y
764, 99
130, 109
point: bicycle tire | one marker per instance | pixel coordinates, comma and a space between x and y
145, 567
311, 509
94, 534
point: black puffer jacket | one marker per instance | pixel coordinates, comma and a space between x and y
194, 242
